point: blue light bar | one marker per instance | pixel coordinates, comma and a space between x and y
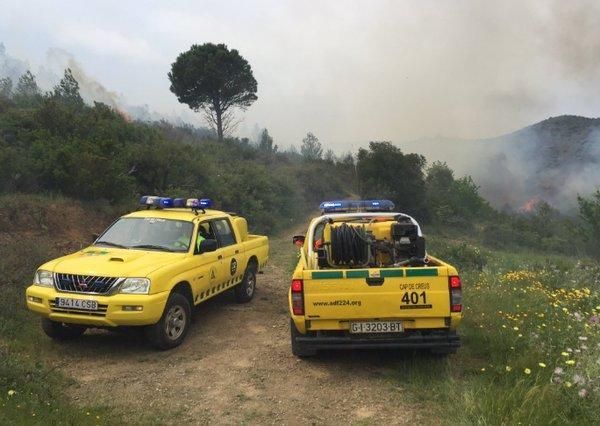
168, 202
179, 202
164, 202
206, 203
344, 206
158, 202
202, 203
148, 200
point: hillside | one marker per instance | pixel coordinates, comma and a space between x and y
553, 160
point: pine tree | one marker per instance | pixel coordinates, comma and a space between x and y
67, 90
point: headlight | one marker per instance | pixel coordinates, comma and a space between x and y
135, 286
43, 278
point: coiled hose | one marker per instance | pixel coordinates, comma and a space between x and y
349, 245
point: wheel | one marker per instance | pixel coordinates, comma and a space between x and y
244, 291
62, 331
299, 349
172, 327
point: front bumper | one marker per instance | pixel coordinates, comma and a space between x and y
110, 314
432, 339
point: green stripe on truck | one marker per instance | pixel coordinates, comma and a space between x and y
422, 272
357, 274
388, 273
327, 275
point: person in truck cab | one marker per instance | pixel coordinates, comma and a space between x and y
181, 240
203, 234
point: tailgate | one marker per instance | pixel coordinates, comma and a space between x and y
377, 293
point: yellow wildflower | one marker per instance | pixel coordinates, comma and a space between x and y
527, 371
564, 353
541, 364
570, 362
508, 368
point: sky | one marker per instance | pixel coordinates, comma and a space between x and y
347, 71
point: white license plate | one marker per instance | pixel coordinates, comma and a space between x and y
376, 327
88, 305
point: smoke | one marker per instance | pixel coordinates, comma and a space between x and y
553, 161
52, 70
90, 89
11, 67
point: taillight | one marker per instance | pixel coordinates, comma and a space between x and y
297, 297
455, 293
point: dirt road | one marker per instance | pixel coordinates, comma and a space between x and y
236, 367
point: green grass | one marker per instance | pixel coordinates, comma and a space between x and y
530, 344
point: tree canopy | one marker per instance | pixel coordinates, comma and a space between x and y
385, 172
215, 80
67, 90
311, 148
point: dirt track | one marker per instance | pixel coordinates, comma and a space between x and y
236, 367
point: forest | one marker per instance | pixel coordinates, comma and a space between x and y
54, 143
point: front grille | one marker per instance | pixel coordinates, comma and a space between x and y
84, 283
101, 312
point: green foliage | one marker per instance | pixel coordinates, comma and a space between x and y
27, 92
589, 209
6, 86
385, 172
213, 79
543, 229
265, 143
461, 254
311, 148
67, 90
453, 202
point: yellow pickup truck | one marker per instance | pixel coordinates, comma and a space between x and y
149, 268
365, 280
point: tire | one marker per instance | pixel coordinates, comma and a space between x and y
299, 349
244, 291
171, 329
62, 331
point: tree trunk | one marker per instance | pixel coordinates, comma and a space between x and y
218, 113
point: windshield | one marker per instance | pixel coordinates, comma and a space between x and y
148, 233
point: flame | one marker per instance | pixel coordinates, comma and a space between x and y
530, 205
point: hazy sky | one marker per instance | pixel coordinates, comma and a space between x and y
349, 71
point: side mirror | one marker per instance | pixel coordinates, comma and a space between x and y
95, 237
208, 245
298, 240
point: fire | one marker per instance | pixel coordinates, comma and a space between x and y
530, 205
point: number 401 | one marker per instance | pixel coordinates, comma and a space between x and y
413, 298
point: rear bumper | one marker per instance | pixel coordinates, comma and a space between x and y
442, 340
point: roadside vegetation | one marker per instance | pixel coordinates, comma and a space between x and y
531, 335
32, 387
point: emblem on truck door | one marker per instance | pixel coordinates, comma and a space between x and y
233, 267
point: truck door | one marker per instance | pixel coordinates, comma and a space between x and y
205, 265
228, 253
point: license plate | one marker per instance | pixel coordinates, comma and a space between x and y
85, 304
376, 327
